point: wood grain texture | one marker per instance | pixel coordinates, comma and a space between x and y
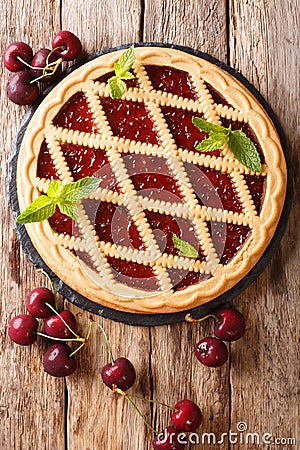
188, 23
264, 46
259, 384
32, 406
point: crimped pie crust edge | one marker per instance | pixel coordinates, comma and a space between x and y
246, 108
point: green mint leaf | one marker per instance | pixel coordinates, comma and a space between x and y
203, 125
127, 76
126, 61
117, 87
238, 143
72, 192
118, 69
54, 189
214, 142
68, 208
185, 249
40, 209
244, 150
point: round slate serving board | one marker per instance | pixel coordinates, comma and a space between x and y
148, 319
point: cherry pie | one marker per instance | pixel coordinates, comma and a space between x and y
154, 184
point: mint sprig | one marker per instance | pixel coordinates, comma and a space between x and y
184, 248
122, 72
64, 196
237, 142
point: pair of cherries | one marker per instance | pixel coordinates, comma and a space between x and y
23, 330
229, 325
119, 376
45, 65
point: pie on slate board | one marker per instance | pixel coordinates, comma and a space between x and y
154, 184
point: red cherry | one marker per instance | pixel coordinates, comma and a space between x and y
19, 89
187, 416
67, 45
57, 361
121, 373
36, 302
39, 61
211, 352
169, 439
230, 325
55, 327
11, 54
22, 329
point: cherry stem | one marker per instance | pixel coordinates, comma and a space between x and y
49, 69
152, 401
89, 330
86, 339
129, 399
24, 62
51, 285
189, 318
140, 414
64, 322
77, 350
106, 339
80, 339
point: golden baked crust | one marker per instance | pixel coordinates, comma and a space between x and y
59, 250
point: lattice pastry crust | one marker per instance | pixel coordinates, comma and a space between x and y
96, 279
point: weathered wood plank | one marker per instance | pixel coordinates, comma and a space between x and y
31, 403
200, 25
176, 372
265, 48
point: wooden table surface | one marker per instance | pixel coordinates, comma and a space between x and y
258, 386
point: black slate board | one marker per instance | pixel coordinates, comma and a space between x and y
148, 319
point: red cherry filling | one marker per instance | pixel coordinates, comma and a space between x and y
45, 166
163, 227
152, 177
216, 96
133, 274
228, 239
186, 135
171, 80
213, 189
257, 187
181, 279
61, 223
76, 115
130, 120
84, 162
113, 223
